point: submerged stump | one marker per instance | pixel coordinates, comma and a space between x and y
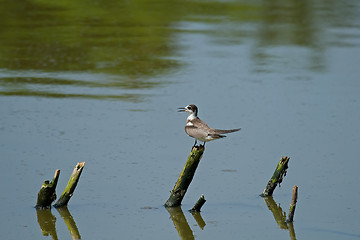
47, 192
185, 178
70, 187
277, 177
198, 205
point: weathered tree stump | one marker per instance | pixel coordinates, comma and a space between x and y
47, 193
70, 187
279, 174
185, 178
198, 205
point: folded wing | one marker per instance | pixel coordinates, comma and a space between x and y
219, 131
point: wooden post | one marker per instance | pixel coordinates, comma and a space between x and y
293, 204
70, 187
198, 204
47, 192
185, 178
277, 177
291, 231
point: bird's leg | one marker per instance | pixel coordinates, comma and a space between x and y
195, 143
204, 144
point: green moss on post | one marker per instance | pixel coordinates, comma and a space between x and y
185, 178
70, 187
277, 177
47, 192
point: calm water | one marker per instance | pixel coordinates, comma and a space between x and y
100, 82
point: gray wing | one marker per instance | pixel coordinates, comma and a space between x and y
201, 124
199, 129
196, 132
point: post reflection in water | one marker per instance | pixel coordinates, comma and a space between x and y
199, 220
47, 222
181, 224
69, 221
280, 216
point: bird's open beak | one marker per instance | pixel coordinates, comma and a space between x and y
182, 109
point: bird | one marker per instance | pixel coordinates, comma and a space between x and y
198, 129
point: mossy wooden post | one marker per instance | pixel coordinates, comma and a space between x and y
277, 177
186, 176
198, 205
293, 204
70, 187
47, 192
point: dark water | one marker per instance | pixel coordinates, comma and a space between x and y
100, 82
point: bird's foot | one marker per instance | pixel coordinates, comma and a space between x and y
198, 146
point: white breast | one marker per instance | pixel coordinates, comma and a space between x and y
191, 117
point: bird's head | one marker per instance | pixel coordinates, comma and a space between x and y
190, 109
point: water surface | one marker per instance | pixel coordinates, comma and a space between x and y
100, 82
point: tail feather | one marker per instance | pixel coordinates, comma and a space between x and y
216, 136
219, 131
